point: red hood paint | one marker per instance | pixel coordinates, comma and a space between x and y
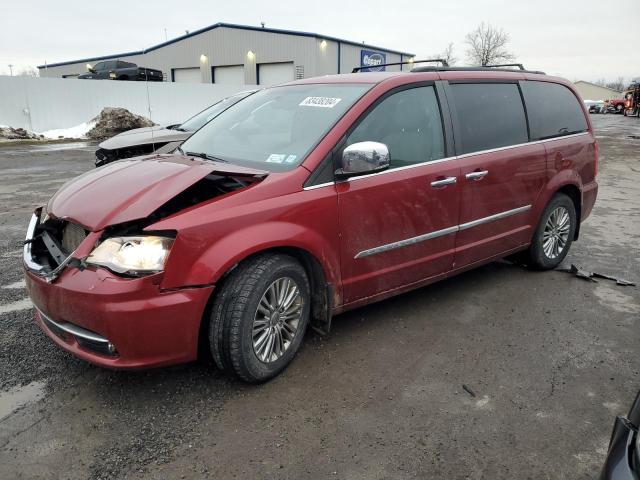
131, 189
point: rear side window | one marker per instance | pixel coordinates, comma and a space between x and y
553, 110
490, 115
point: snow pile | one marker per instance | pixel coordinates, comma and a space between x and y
79, 131
113, 121
9, 133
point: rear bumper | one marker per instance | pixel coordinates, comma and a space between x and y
144, 325
589, 194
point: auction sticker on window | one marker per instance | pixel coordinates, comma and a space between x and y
323, 102
276, 158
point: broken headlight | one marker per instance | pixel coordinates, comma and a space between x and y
139, 255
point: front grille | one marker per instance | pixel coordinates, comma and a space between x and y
72, 236
52, 243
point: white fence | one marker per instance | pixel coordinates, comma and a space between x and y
41, 104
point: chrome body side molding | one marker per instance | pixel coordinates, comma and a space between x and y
439, 233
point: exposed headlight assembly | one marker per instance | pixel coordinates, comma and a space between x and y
139, 255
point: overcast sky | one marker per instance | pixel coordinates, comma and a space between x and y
576, 39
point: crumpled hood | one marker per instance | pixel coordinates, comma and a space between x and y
132, 189
144, 136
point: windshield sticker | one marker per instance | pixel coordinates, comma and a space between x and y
323, 102
291, 159
276, 158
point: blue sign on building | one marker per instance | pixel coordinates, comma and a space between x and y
372, 61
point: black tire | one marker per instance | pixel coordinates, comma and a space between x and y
234, 310
538, 258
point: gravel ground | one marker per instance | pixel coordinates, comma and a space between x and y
550, 360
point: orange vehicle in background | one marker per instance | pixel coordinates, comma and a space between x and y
632, 99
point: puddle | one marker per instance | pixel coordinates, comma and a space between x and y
18, 397
617, 300
23, 304
46, 147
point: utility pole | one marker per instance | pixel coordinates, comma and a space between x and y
165, 35
11, 69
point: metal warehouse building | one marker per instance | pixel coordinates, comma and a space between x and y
591, 91
239, 54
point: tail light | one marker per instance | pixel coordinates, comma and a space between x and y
597, 152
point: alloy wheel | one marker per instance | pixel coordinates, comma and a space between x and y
277, 319
556, 232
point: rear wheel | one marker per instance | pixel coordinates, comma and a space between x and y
259, 317
554, 235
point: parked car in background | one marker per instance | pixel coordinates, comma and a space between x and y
594, 106
306, 200
615, 105
119, 70
623, 457
160, 139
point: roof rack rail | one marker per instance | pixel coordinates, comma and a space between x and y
500, 68
411, 62
519, 65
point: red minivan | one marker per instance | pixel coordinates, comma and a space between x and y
306, 200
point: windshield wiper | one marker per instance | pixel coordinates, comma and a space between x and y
206, 156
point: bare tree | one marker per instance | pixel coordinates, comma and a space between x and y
617, 84
448, 55
29, 72
487, 45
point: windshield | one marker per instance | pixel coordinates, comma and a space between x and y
275, 129
199, 119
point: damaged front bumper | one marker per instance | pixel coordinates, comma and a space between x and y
119, 323
106, 319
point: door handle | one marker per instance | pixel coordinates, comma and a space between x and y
444, 182
476, 175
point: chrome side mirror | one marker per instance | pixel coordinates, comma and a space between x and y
362, 158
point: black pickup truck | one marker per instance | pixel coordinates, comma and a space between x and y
119, 70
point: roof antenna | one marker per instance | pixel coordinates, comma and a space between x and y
262, 23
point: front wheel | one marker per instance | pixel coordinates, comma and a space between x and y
554, 235
259, 317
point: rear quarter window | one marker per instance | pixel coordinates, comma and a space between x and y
490, 115
553, 110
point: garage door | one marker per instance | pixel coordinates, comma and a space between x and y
229, 75
274, 73
187, 75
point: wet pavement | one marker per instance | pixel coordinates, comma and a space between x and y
550, 360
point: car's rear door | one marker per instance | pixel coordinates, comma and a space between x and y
397, 227
502, 172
